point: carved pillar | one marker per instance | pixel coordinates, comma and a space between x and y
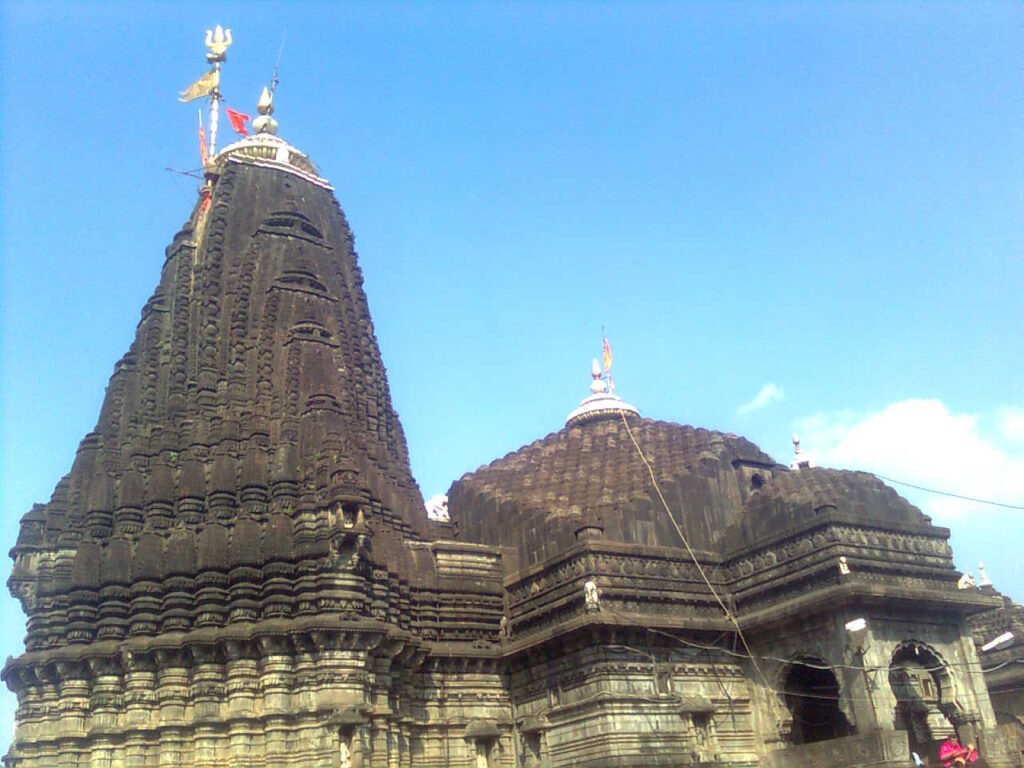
172, 747
242, 678
275, 684
136, 746
145, 607
49, 695
31, 703
101, 754
207, 683
378, 737
276, 673
360, 747
304, 698
106, 699
305, 587
404, 751
178, 604
379, 592
173, 690
211, 598
394, 751
206, 752
73, 703
245, 745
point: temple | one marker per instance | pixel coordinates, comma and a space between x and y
239, 568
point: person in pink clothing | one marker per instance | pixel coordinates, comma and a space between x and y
955, 755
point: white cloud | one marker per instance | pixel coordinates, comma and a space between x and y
769, 394
1011, 424
924, 443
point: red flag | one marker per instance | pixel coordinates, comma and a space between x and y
237, 120
607, 356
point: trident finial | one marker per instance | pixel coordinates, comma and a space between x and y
217, 40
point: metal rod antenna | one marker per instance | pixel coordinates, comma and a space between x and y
277, 64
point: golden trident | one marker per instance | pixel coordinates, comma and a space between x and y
217, 40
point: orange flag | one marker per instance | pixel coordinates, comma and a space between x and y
607, 356
237, 121
202, 139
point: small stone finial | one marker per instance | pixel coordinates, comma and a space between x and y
800, 459
983, 579
265, 106
265, 123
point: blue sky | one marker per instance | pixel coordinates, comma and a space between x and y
819, 204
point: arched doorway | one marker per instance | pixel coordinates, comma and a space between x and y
811, 693
925, 700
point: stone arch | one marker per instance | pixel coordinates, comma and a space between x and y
810, 691
925, 693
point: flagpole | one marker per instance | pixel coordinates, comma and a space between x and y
214, 112
217, 41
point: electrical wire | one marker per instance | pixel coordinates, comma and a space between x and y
750, 654
795, 694
814, 665
948, 493
693, 556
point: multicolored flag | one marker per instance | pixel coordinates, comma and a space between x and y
607, 356
237, 120
204, 86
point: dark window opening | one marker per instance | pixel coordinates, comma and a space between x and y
812, 697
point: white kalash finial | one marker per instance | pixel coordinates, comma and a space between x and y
801, 460
983, 579
597, 386
265, 123
602, 401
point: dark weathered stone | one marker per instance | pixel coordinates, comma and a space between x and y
238, 569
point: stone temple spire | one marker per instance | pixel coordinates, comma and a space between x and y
241, 531
252, 404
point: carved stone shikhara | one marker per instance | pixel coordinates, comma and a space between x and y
238, 569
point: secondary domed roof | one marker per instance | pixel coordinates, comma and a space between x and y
591, 475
